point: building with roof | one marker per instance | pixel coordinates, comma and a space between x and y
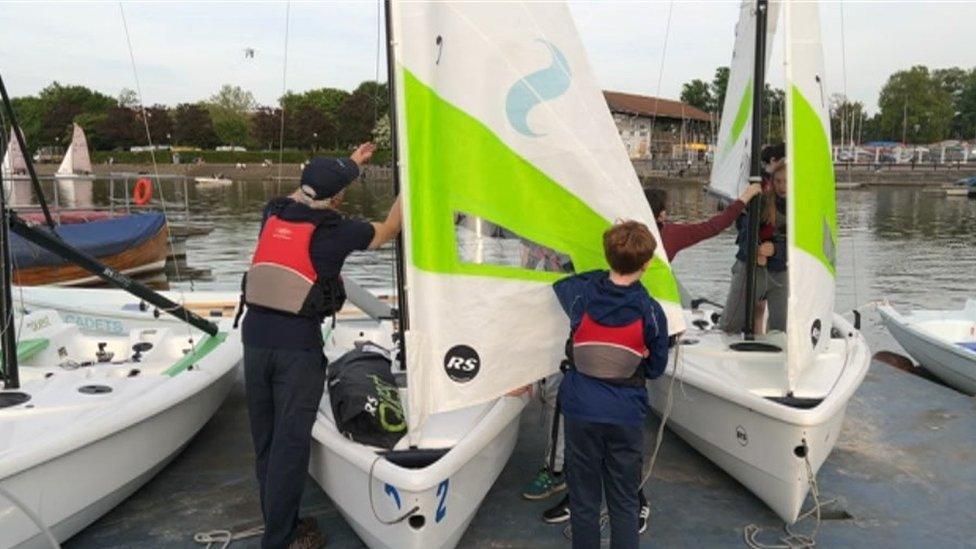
653, 127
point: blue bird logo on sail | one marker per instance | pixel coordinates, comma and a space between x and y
543, 85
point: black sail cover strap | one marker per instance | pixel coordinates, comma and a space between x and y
57, 246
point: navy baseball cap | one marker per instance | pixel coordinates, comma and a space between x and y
325, 177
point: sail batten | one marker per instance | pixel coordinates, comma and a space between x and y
511, 169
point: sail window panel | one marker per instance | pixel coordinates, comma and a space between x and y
482, 242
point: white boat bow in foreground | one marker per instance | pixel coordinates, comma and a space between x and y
435, 486
734, 407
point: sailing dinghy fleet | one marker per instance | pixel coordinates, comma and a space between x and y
484, 237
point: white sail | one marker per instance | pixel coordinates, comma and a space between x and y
13, 160
511, 169
76, 159
730, 171
812, 217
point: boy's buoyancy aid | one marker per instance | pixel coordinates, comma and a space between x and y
282, 276
612, 354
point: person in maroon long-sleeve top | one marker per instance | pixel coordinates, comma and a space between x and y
678, 236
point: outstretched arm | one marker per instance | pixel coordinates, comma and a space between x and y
385, 230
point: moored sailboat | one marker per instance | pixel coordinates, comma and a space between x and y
74, 176
768, 409
86, 420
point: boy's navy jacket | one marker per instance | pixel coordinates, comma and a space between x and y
589, 399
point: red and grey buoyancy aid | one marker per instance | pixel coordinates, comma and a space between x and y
282, 276
610, 353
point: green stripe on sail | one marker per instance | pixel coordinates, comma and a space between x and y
742, 115
457, 164
815, 207
202, 349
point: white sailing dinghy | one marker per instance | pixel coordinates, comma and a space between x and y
16, 184
74, 176
510, 170
87, 419
942, 341
105, 413
770, 412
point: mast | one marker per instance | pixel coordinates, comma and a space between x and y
755, 167
11, 377
402, 315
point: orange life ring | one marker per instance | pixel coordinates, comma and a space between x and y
143, 192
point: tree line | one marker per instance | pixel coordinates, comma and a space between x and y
916, 105
324, 118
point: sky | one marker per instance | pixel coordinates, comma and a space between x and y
184, 51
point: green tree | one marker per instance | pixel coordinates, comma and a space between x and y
913, 106
192, 127
360, 112
59, 105
965, 122
954, 80
718, 86
265, 127
697, 94
229, 110
118, 129
325, 100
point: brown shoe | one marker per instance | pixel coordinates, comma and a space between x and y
308, 540
307, 525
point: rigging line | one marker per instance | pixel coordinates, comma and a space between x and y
152, 155
660, 78
853, 234
389, 113
284, 91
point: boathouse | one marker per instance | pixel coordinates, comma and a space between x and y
678, 128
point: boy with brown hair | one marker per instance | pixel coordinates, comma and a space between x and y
619, 339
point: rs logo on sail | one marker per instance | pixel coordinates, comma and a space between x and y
543, 85
462, 363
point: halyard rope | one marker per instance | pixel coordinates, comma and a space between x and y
223, 538
794, 540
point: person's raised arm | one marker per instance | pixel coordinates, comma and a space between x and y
385, 230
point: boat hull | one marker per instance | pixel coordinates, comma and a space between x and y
764, 454
763, 444
70, 477
446, 493
950, 363
148, 256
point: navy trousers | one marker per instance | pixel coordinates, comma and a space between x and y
284, 388
603, 459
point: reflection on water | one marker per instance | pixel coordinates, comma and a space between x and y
914, 248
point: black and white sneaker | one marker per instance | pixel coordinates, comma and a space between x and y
559, 513
643, 514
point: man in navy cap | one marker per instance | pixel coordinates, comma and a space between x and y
294, 284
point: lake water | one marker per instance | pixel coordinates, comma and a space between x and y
914, 248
